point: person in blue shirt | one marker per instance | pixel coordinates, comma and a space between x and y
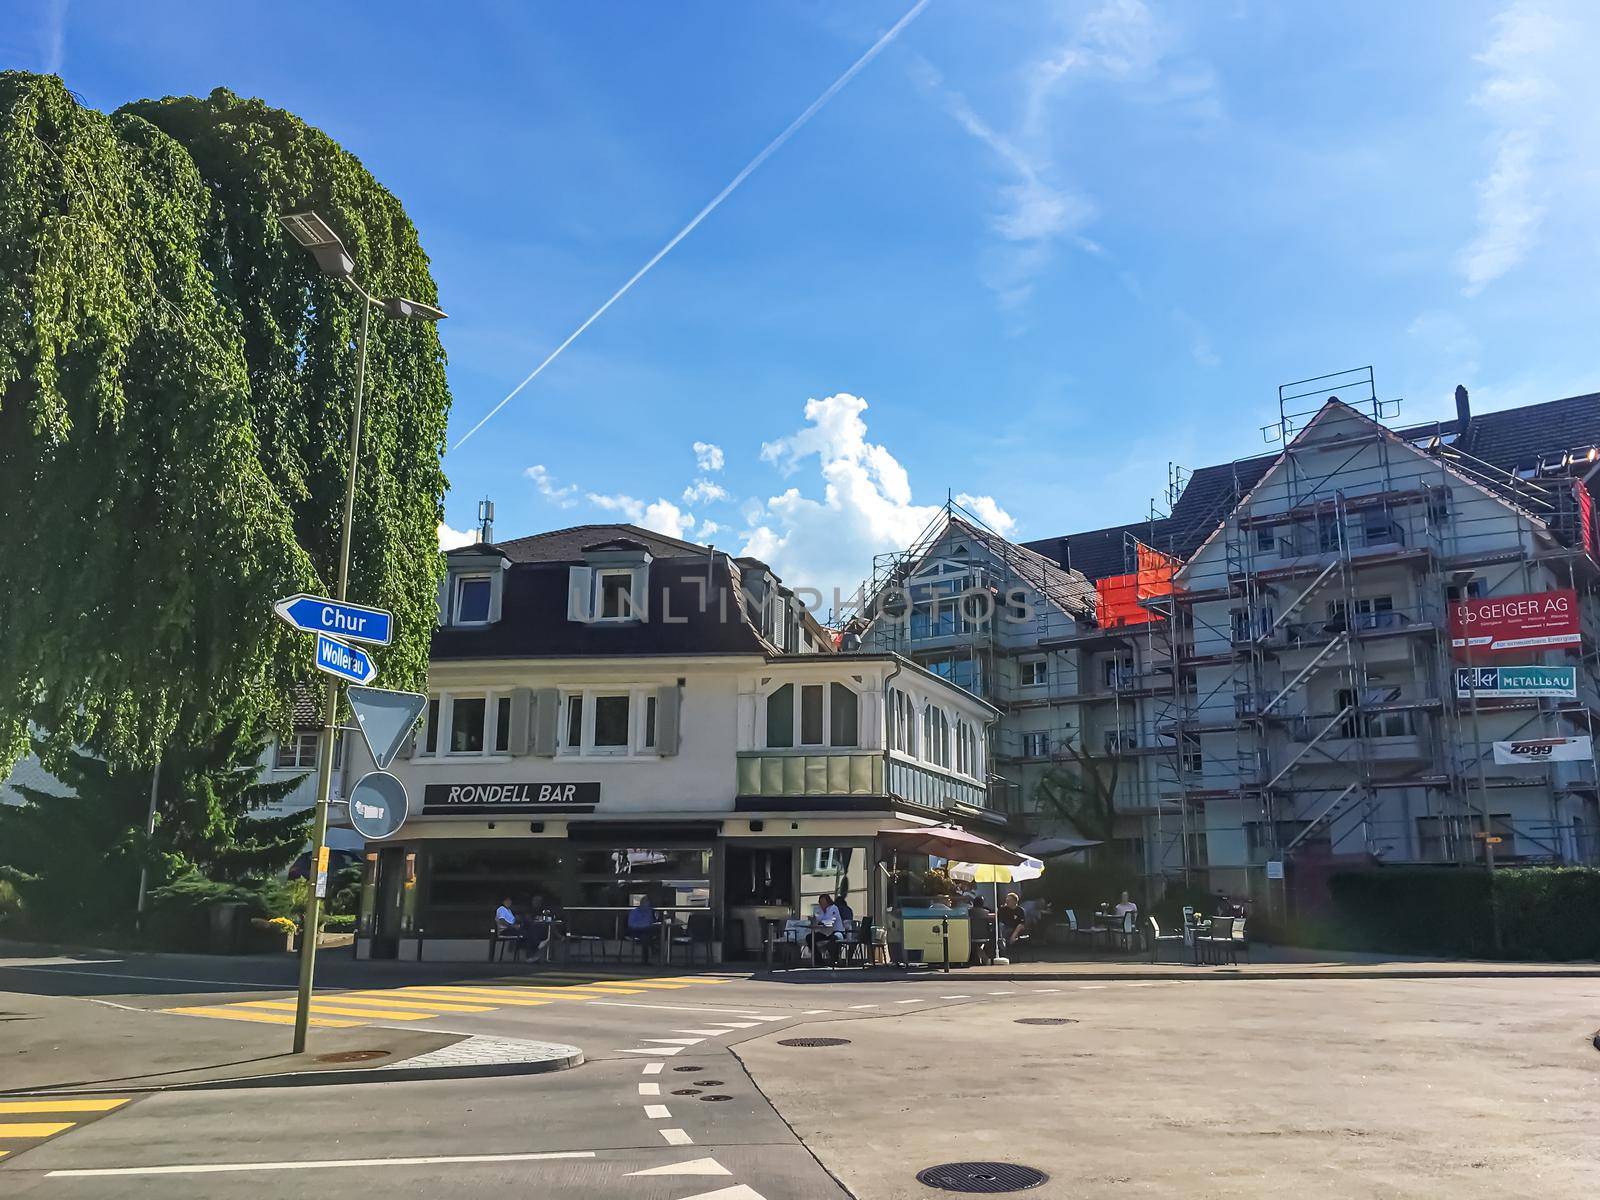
642, 925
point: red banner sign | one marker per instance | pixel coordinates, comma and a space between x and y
1506, 624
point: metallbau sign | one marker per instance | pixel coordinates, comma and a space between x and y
441, 798
345, 662
1504, 624
378, 805
318, 614
1543, 750
386, 719
1517, 683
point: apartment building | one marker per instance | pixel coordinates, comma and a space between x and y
615, 714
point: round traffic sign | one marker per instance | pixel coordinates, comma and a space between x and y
377, 805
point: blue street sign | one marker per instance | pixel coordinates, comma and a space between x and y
378, 805
346, 662
318, 614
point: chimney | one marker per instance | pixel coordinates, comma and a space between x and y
486, 520
1463, 409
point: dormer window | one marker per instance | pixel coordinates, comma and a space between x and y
614, 592
472, 599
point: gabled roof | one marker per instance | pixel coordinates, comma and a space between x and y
1068, 590
1514, 437
568, 545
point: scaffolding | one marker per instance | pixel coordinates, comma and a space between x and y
1289, 604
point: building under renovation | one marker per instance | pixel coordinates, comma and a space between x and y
1373, 644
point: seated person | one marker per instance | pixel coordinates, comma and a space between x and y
1013, 921
642, 925
827, 925
846, 913
506, 923
1125, 905
980, 930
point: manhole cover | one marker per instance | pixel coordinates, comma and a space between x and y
813, 1041
1046, 1021
687, 1070
347, 1056
708, 1083
715, 1098
687, 1092
981, 1177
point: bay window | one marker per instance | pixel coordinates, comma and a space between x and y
822, 714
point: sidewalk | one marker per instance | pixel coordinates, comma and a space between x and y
81, 1044
1265, 962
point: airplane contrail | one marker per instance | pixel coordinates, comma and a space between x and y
749, 168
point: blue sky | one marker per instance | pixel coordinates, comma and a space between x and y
1030, 254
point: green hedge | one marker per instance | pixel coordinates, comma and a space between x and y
1544, 912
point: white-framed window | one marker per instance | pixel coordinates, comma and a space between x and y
298, 751
1117, 671
812, 714
935, 735
466, 724
613, 595
608, 722
1034, 672
1035, 745
902, 722
969, 750
471, 602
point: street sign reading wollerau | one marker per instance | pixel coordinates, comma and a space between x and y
385, 718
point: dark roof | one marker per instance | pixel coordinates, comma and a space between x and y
534, 624
306, 706
1516, 437
568, 545
1509, 438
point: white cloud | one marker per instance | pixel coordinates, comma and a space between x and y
865, 506
666, 517
1120, 43
626, 505
707, 528
708, 456
662, 516
561, 497
989, 512
450, 539
704, 491
1539, 95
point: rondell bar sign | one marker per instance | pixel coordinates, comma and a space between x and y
440, 798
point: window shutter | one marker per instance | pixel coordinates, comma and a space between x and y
409, 750
580, 594
667, 720
639, 591
521, 714
546, 715
444, 598
497, 588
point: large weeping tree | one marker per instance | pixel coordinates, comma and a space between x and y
175, 388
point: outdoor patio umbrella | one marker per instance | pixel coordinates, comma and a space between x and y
1053, 847
949, 841
996, 874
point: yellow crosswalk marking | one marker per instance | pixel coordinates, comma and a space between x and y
33, 1129
60, 1106
411, 1001
229, 1013
487, 995
577, 992
347, 1010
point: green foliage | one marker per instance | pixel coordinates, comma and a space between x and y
1544, 912
75, 859
1083, 794
175, 386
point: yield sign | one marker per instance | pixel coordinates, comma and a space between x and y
385, 718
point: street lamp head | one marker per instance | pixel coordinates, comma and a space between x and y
411, 310
317, 236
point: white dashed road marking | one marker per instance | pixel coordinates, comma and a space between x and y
695, 1166
657, 1112
653, 1068
649, 1089
677, 1137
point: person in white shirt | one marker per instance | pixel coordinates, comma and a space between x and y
1125, 905
828, 925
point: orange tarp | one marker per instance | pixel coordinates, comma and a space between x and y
1119, 595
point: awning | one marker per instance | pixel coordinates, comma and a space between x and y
948, 841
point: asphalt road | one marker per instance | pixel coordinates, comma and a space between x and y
1205, 1088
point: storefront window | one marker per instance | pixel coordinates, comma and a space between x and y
671, 876
466, 883
835, 871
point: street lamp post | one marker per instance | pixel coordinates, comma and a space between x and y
315, 235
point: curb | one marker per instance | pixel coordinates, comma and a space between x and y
1194, 973
561, 1058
